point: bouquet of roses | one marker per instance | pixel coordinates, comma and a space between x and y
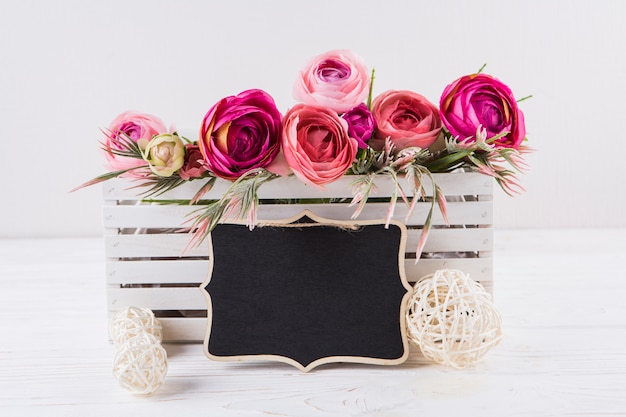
336, 129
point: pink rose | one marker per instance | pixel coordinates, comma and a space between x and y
407, 118
139, 128
193, 166
482, 100
361, 124
316, 144
338, 80
241, 133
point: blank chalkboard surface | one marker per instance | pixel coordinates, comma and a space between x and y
308, 291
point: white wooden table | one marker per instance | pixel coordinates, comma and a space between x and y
562, 295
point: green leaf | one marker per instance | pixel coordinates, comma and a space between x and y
369, 95
160, 185
106, 177
239, 202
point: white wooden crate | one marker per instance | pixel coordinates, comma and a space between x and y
147, 267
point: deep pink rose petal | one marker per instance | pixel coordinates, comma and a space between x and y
241, 133
482, 100
361, 124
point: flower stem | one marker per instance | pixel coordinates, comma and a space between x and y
369, 96
448, 161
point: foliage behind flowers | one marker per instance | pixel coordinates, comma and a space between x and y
338, 129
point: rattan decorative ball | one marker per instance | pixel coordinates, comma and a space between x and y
140, 364
452, 319
132, 321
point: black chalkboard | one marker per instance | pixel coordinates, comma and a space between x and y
308, 292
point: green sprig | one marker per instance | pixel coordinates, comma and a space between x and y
369, 95
238, 202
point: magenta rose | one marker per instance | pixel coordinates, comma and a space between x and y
361, 124
482, 100
139, 128
193, 167
408, 119
240, 133
337, 79
316, 144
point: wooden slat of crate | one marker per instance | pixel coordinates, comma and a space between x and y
179, 271
158, 245
469, 183
480, 269
459, 213
453, 240
172, 245
174, 216
167, 298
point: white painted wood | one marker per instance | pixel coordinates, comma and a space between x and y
453, 240
180, 271
561, 294
146, 248
152, 245
467, 213
173, 244
157, 298
176, 216
470, 183
480, 269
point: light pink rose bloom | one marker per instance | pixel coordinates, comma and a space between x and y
138, 127
407, 118
337, 79
316, 144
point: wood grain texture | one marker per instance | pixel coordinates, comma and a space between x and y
561, 294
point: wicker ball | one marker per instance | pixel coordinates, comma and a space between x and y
131, 321
452, 319
140, 364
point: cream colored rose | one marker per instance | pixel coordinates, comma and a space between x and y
165, 153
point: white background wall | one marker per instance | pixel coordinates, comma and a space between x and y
68, 67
